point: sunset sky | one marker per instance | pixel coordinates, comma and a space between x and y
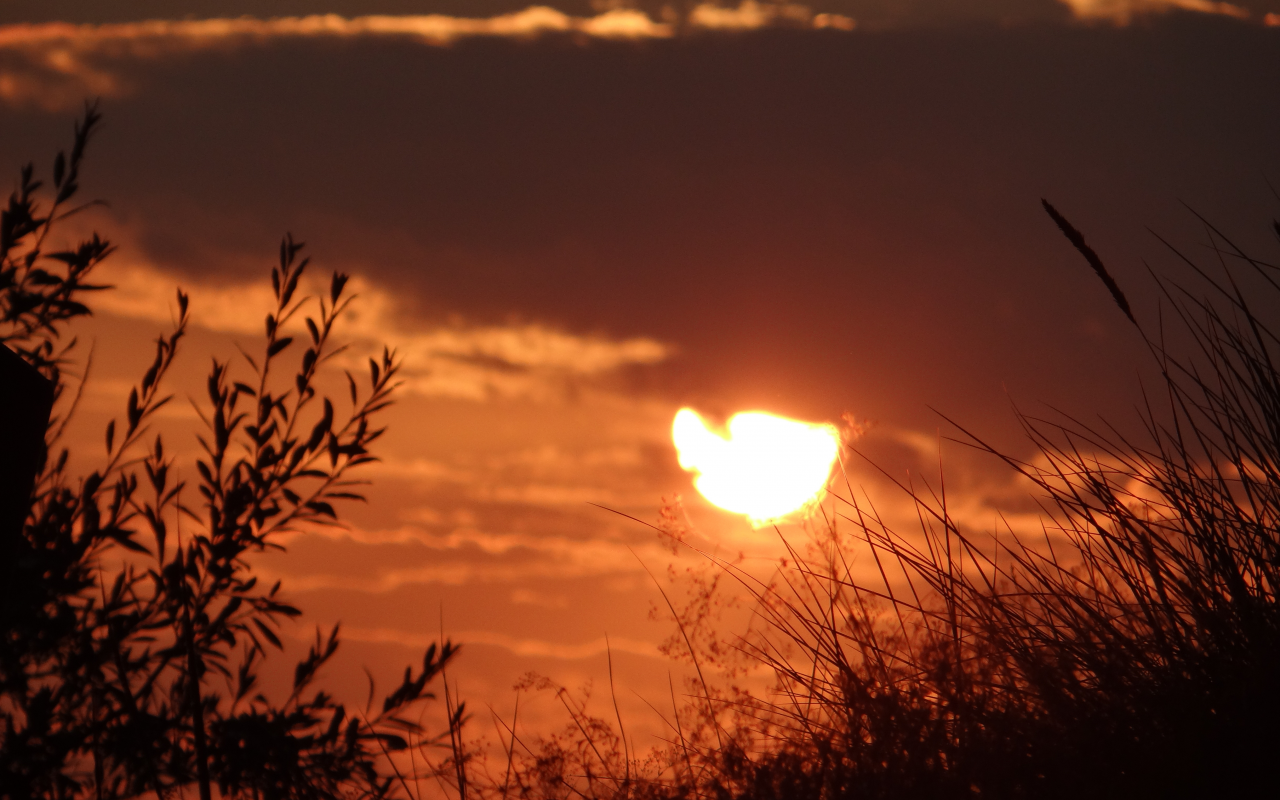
573, 220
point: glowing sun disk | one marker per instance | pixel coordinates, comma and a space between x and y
766, 467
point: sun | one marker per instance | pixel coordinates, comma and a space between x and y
763, 466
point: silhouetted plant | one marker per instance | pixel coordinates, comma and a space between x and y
113, 647
1138, 658
1131, 652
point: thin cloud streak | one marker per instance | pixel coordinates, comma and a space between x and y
148, 36
1122, 12
750, 15
518, 646
54, 65
468, 555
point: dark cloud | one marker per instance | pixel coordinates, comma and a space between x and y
816, 220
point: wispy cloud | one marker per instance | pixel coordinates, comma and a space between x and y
467, 555
471, 362
750, 15
516, 645
571, 482
150, 36
1122, 12
533, 361
55, 65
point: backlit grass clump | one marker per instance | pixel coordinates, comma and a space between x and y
1132, 651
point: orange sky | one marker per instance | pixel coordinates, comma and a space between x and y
572, 227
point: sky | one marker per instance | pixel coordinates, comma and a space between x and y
573, 220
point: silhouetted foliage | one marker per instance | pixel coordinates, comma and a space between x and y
1131, 650
133, 625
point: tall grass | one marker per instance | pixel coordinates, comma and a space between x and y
1141, 660
1131, 648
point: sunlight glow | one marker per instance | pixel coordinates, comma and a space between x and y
766, 467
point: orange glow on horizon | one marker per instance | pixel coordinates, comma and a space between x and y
765, 468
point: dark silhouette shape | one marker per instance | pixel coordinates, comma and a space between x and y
129, 670
26, 399
1076, 238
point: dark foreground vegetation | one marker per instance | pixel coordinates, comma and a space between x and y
133, 629
1130, 649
